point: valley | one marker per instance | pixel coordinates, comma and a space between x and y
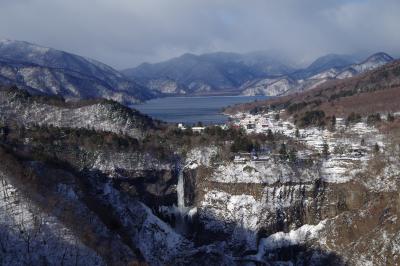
299, 179
192, 133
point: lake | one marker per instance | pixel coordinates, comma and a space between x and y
190, 110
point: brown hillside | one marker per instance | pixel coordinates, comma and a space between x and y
374, 91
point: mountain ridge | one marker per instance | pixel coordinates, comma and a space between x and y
46, 70
293, 85
210, 72
226, 72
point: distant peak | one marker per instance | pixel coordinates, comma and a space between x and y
381, 56
188, 55
24, 45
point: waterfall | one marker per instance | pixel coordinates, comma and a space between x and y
181, 210
182, 214
180, 190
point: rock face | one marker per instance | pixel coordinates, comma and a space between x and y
299, 221
48, 71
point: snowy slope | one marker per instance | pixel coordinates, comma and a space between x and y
45, 70
210, 73
288, 84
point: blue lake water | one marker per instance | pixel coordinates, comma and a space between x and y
190, 110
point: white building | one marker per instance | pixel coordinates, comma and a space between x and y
198, 129
181, 126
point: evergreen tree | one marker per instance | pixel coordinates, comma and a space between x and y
376, 148
270, 135
283, 152
362, 142
292, 155
390, 117
297, 133
325, 150
333, 121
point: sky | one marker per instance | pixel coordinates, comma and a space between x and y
125, 33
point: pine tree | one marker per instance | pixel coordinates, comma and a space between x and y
376, 148
270, 135
292, 155
362, 142
283, 152
325, 150
333, 121
390, 117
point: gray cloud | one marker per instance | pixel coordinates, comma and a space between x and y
124, 33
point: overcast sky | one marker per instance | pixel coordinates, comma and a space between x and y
124, 33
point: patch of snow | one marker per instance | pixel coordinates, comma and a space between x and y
295, 237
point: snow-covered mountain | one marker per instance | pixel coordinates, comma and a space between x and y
247, 74
329, 70
372, 62
208, 73
268, 87
45, 70
324, 63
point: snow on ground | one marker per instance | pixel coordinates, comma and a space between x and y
347, 150
262, 172
30, 237
223, 210
200, 156
295, 237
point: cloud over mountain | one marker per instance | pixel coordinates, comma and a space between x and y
124, 33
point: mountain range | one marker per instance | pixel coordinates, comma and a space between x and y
208, 73
319, 72
42, 70
247, 74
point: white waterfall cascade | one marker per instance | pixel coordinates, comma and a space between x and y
181, 211
180, 190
